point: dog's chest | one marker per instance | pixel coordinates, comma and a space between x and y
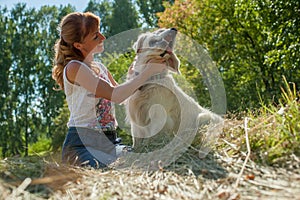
151, 94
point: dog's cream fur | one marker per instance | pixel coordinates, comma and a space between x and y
159, 110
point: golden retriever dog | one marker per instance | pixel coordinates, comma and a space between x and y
160, 110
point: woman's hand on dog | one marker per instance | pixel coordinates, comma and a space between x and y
155, 66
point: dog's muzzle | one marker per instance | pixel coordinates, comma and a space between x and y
169, 42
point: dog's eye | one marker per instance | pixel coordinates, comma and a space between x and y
158, 43
153, 42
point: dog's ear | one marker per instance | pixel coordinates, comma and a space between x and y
174, 64
139, 43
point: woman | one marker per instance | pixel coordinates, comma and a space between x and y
90, 90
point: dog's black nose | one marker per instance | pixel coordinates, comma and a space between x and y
174, 29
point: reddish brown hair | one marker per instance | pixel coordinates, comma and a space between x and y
74, 27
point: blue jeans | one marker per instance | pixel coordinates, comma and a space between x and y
87, 147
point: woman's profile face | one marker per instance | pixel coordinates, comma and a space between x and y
92, 43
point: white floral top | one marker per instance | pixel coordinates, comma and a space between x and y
85, 109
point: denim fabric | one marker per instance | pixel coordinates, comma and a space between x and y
87, 147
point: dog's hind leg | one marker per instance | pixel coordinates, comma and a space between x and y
210, 127
203, 119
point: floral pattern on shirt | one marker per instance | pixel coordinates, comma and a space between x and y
104, 108
104, 114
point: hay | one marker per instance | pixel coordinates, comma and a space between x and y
225, 173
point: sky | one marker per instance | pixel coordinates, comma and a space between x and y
80, 5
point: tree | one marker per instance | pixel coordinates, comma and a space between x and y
22, 69
28, 103
103, 9
6, 116
252, 45
149, 8
50, 100
124, 17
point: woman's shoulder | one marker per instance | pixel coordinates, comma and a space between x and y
73, 67
76, 63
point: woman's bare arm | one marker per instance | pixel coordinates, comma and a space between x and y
100, 88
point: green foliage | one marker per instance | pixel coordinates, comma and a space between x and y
288, 118
41, 147
251, 44
149, 8
124, 17
60, 127
273, 130
103, 9
275, 133
116, 16
118, 64
6, 103
28, 101
192, 83
21, 83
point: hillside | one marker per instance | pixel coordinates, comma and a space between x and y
230, 171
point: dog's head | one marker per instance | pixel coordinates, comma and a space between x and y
157, 44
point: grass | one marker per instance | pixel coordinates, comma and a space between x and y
275, 133
272, 170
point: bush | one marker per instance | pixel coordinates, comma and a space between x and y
275, 133
41, 147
